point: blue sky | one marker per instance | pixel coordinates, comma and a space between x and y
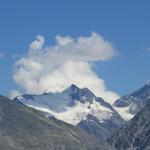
125, 23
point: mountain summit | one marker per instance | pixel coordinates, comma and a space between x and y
129, 105
76, 106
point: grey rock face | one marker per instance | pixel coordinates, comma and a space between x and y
23, 128
135, 134
135, 101
101, 130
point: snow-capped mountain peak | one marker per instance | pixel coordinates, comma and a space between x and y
77, 94
129, 105
71, 105
71, 89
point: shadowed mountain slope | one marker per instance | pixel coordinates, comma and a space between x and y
135, 134
23, 128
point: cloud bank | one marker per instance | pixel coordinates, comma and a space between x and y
70, 61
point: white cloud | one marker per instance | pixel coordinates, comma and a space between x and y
54, 68
14, 93
92, 48
38, 43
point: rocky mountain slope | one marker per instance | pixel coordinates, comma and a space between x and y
78, 107
135, 134
129, 105
23, 128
